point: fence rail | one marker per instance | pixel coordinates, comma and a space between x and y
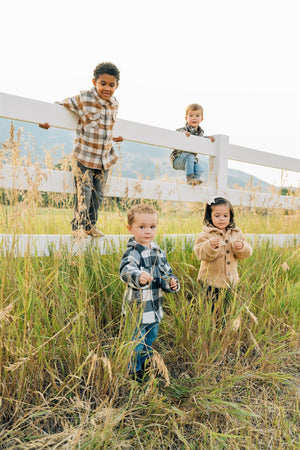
39, 245
47, 180
219, 153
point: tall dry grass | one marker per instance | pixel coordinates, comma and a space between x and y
65, 352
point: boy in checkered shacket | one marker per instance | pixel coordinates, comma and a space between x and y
145, 270
93, 152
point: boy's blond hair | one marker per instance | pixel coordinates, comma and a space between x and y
141, 208
193, 107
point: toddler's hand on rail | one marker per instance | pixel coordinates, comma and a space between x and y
44, 125
211, 138
187, 133
145, 278
118, 139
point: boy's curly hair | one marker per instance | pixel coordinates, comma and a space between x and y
107, 67
141, 208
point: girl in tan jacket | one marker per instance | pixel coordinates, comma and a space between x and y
219, 246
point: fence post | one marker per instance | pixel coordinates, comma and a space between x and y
218, 167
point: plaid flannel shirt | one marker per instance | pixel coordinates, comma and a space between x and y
138, 259
194, 131
93, 142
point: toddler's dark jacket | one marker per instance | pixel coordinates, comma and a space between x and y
138, 259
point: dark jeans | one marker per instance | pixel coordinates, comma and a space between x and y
145, 335
90, 184
218, 298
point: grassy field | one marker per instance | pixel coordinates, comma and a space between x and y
173, 218
65, 348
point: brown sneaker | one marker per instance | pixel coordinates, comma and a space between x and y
94, 232
193, 181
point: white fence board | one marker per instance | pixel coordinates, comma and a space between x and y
251, 156
160, 137
62, 182
45, 245
279, 240
35, 111
46, 180
261, 200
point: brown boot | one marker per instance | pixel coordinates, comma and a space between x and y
193, 181
94, 232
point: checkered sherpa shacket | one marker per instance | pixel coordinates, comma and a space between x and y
138, 259
194, 131
94, 132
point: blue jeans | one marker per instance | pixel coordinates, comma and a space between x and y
187, 162
90, 184
145, 335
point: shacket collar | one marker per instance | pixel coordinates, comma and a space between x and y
193, 130
132, 243
111, 102
212, 229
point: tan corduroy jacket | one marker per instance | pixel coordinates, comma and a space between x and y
219, 266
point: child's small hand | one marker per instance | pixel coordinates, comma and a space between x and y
145, 278
173, 284
238, 245
44, 125
211, 138
118, 139
187, 133
215, 242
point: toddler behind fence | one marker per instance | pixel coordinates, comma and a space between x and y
188, 161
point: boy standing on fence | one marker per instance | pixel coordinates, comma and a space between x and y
93, 152
145, 270
188, 161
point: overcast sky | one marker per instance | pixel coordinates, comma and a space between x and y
238, 58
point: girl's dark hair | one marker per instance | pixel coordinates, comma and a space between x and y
215, 202
107, 67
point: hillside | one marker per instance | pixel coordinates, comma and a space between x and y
134, 159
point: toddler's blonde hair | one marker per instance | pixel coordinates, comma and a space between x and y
193, 107
140, 208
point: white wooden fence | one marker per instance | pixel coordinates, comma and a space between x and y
220, 152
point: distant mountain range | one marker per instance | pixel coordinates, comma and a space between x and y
135, 160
